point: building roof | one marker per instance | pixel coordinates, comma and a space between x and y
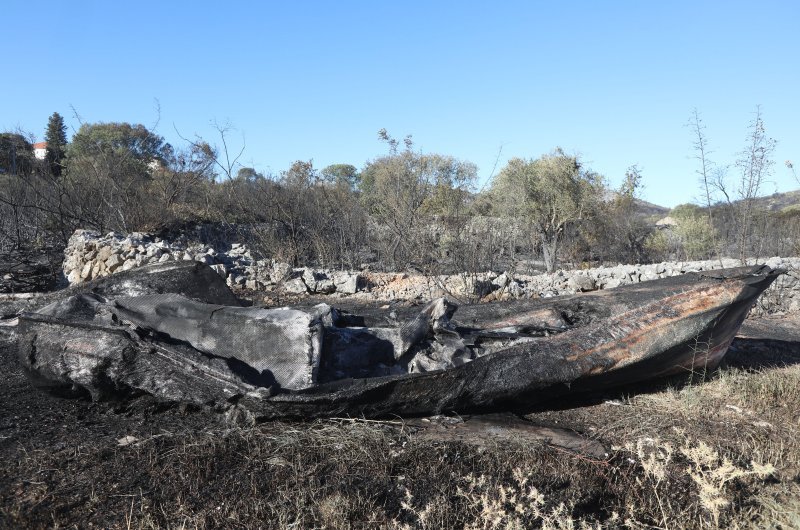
40, 145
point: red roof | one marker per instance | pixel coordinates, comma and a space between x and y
40, 145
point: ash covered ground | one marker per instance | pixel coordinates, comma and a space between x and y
712, 450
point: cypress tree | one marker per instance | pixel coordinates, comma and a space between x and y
56, 138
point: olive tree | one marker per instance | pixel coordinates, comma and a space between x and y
552, 193
342, 175
405, 191
110, 165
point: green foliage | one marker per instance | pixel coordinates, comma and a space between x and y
123, 140
180, 178
406, 208
686, 211
630, 187
248, 174
56, 138
120, 152
112, 166
405, 189
344, 175
658, 245
627, 229
790, 212
696, 234
451, 184
552, 192
16, 154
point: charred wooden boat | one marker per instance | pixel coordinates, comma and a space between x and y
154, 331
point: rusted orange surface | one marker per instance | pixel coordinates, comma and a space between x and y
625, 337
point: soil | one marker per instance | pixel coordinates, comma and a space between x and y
73, 463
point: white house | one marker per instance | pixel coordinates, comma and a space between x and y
40, 150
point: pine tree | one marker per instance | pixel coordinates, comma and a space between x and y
56, 138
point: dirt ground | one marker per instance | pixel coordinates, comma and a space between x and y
701, 451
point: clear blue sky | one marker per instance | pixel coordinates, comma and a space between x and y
614, 82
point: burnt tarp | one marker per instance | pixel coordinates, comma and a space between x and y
309, 363
187, 278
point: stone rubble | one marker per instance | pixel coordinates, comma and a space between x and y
90, 255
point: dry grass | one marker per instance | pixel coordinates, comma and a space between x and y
735, 436
717, 453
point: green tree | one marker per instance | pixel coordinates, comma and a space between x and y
16, 154
344, 175
552, 192
404, 189
695, 232
111, 166
129, 143
248, 174
56, 138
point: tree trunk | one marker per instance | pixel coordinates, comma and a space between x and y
549, 249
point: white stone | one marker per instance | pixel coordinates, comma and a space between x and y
347, 283
87, 270
113, 262
221, 269
280, 271
514, 289
325, 286
295, 286
502, 280
311, 278
579, 282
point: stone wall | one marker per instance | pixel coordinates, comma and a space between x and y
90, 255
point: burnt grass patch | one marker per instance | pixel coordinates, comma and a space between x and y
718, 451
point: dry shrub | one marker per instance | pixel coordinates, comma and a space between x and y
713, 475
491, 503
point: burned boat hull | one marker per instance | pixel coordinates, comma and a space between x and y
689, 328
618, 336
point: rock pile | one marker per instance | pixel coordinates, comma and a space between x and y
91, 255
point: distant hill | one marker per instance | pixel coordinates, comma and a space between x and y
641, 207
778, 201
648, 209
773, 203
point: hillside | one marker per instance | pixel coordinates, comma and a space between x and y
647, 209
775, 202
778, 201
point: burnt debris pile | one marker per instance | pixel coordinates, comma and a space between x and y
175, 330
